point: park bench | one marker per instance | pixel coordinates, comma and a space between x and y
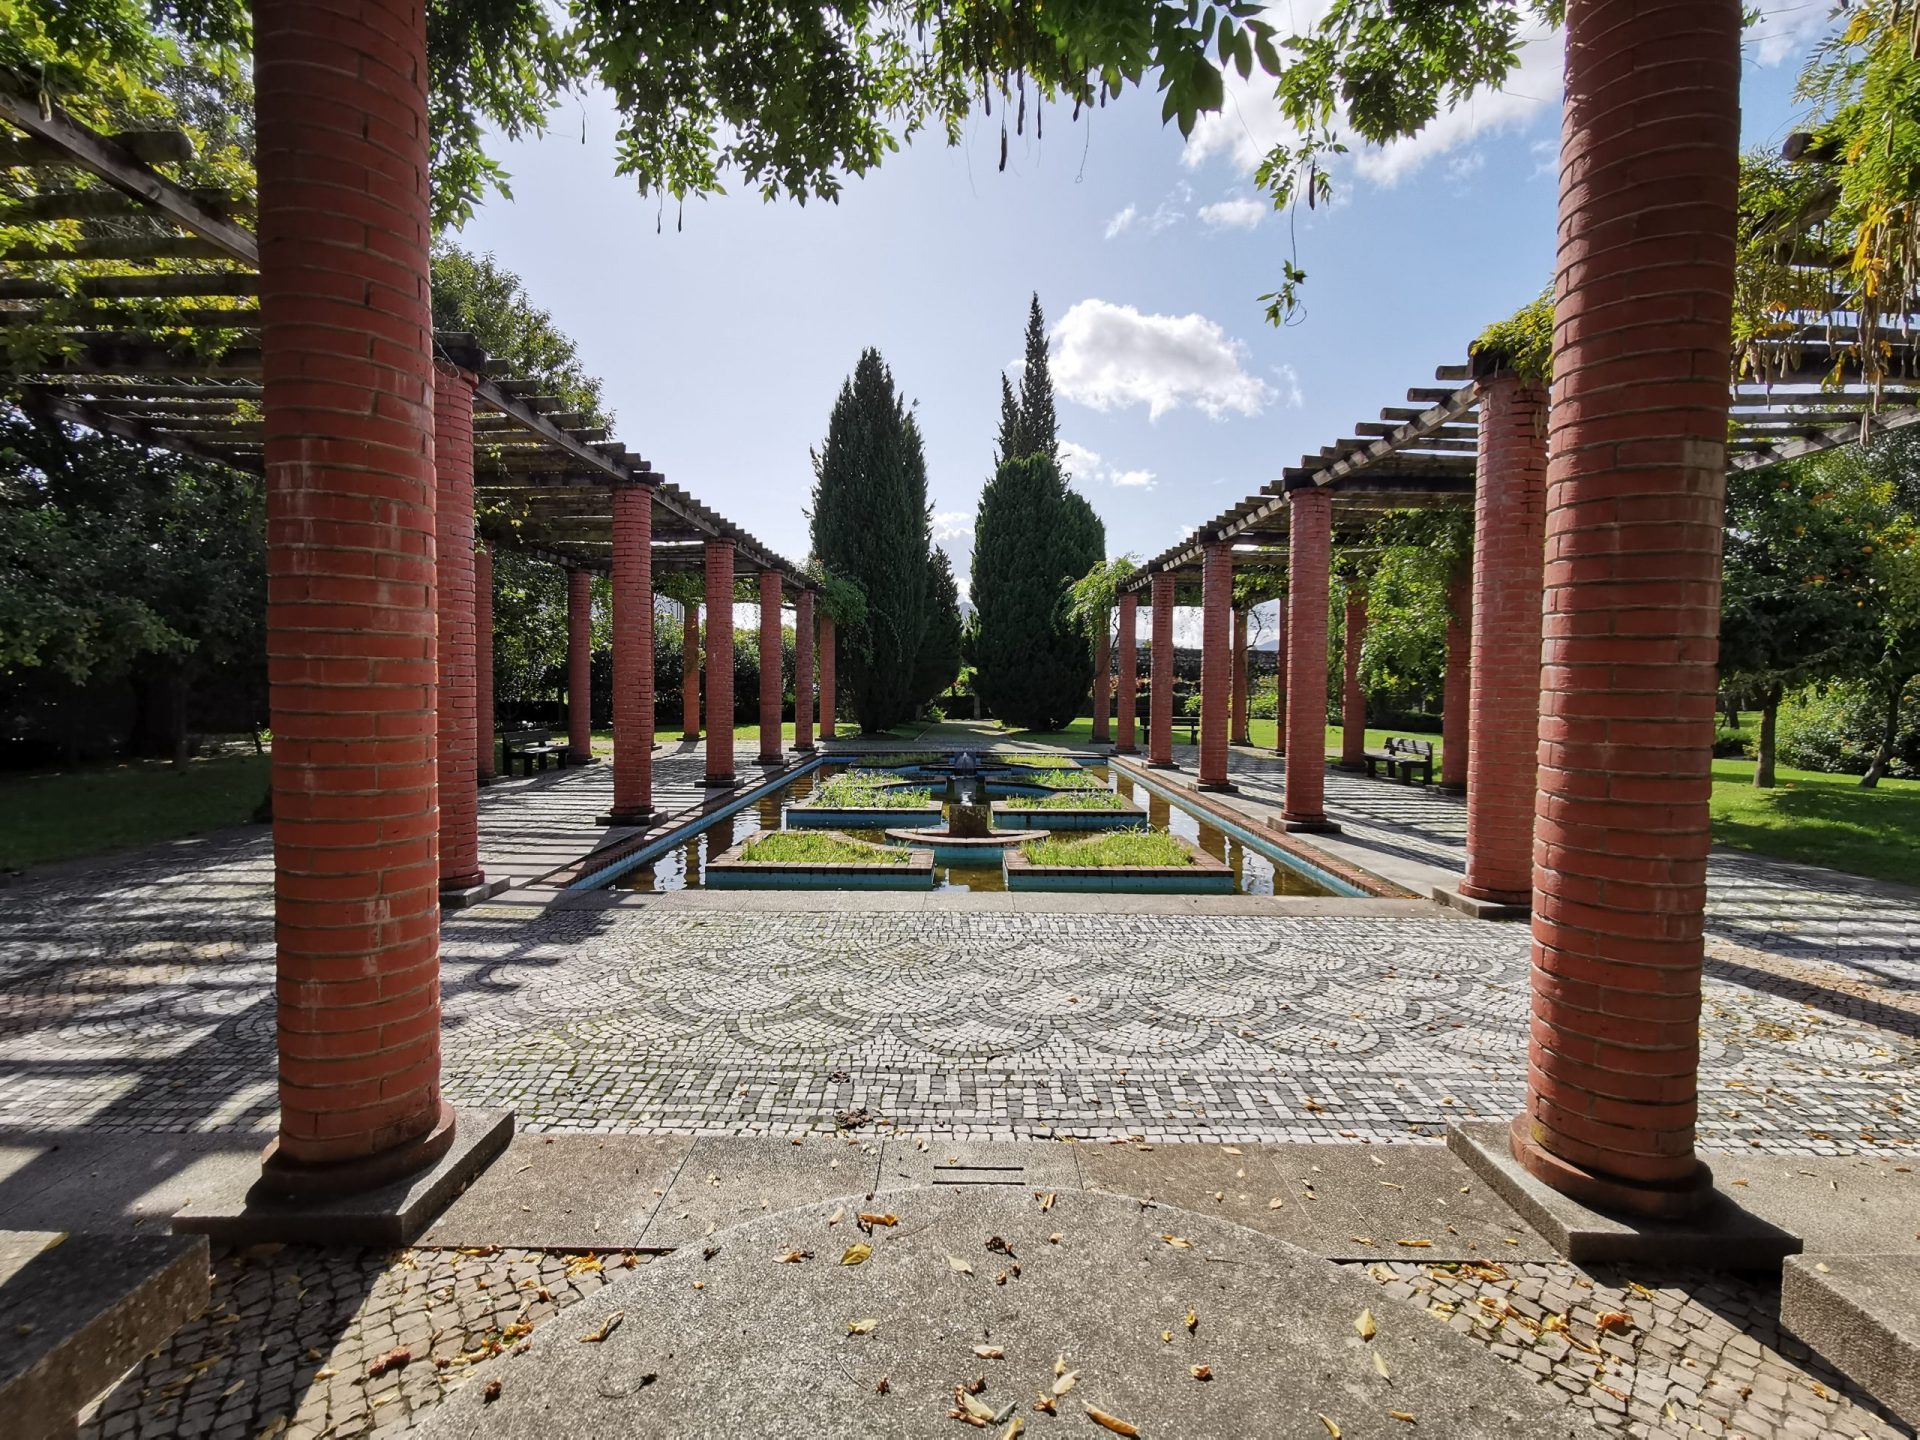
528, 746
78, 1310
1403, 759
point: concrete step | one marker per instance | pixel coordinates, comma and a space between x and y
1862, 1314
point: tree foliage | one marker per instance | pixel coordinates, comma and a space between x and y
1028, 422
939, 661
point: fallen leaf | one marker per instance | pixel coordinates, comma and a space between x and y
1059, 1364
1614, 1320
836, 1217
1332, 1429
1200, 1372
1044, 1404
1066, 1382
881, 1386
492, 1392
794, 1257
1230, 1150
397, 1358
958, 1266
1178, 1242
1046, 1199
1402, 1416
989, 1352
1415, 1244
857, 1253
1380, 1364
1111, 1422
607, 1327
970, 1406
861, 1327
1277, 1203
583, 1265
1166, 1337
867, 1218
1014, 1427
1365, 1326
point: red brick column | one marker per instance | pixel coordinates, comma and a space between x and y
829, 663
1216, 663
1635, 510
1280, 680
1353, 696
579, 667
351, 626
1457, 696
1102, 681
719, 570
484, 733
1238, 734
1509, 527
632, 656
803, 671
1160, 700
1129, 668
690, 670
1309, 560
772, 747
459, 759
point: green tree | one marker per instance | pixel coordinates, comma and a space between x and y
870, 527
1028, 424
939, 660
1033, 538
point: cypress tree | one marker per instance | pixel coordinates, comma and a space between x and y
1039, 428
1033, 537
940, 656
870, 526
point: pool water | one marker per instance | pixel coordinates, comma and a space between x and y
681, 867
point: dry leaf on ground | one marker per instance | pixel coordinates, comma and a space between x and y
397, 1358
1614, 1321
989, 1352
857, 1253
958, 1266
1200, 1372
1066, 1382
1365, 1327
1111, 1422
492, 1392
607, 1327
1178, 1242
1380, 1364
861, 1327
1332, 1429
871, 1218
794, 1257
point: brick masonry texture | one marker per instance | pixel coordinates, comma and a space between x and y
1353, 698
1160, 731
580, 663
1455, 730
347, 370
1509, 529
803, 670
1129, 674
1309, 556
771, 746
483, 661
459, 729
1216, 661
719, 576
632, 650
1635, 502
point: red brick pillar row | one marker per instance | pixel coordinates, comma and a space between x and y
1160, 698
1129, 668
772, 747
1238, 733
632, 656
579, 667
719, 571
1457, 695
690, 670
829, 664
1509, 520
485, 736
1635, 509
1102, 681
1216, 663
351, 648
1353, 695
459, 758
1280, 680
803, 671
1309, 561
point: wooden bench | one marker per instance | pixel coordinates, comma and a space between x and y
528, 746
1403, 759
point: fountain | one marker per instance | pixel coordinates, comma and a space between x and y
969, 836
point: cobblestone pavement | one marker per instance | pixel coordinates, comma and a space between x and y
300, 1343
1686, 1355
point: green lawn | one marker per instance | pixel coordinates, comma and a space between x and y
743, 736
64, 815
1259, 732
1821, 820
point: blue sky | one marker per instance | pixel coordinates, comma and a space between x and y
723, 334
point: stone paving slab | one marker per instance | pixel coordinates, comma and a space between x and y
1863, 1314
1836, 1204
724, 1181
924, 1161
741, 1343
69, 1181
1339, 1202
564, 1192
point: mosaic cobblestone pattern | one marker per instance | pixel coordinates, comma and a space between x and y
1688, 1355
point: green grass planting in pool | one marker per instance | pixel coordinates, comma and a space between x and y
1073, 800
866, 790
803, 847
893, 759
1075, 779
1029, 762
1110, 850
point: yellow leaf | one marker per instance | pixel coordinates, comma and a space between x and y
1110, 1422
989, 1352
1365, 1326
1380, 1364
1059, 1364
1332, 1429
972, 1406
1193, 1321
1014, 1426
1415, 1244
861, 1327
1046, 1198
857, 1253
1200, 1372
582, 1265
1178, 1242
607, 1327
1065, 1382
958, 1266
1402, 1416
867, 1218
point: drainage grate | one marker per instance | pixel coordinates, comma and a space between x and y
979, 1174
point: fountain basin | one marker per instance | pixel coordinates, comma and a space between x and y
962, 849
862, 817
1013, 815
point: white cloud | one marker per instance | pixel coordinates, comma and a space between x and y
1111, 357
1290, 380
1088, 468
952, 525
1782, 29
1233, 214
1122, 221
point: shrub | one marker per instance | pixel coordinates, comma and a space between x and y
1732, 743
1836, 728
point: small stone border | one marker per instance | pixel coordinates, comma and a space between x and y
858, 817
1032, 817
